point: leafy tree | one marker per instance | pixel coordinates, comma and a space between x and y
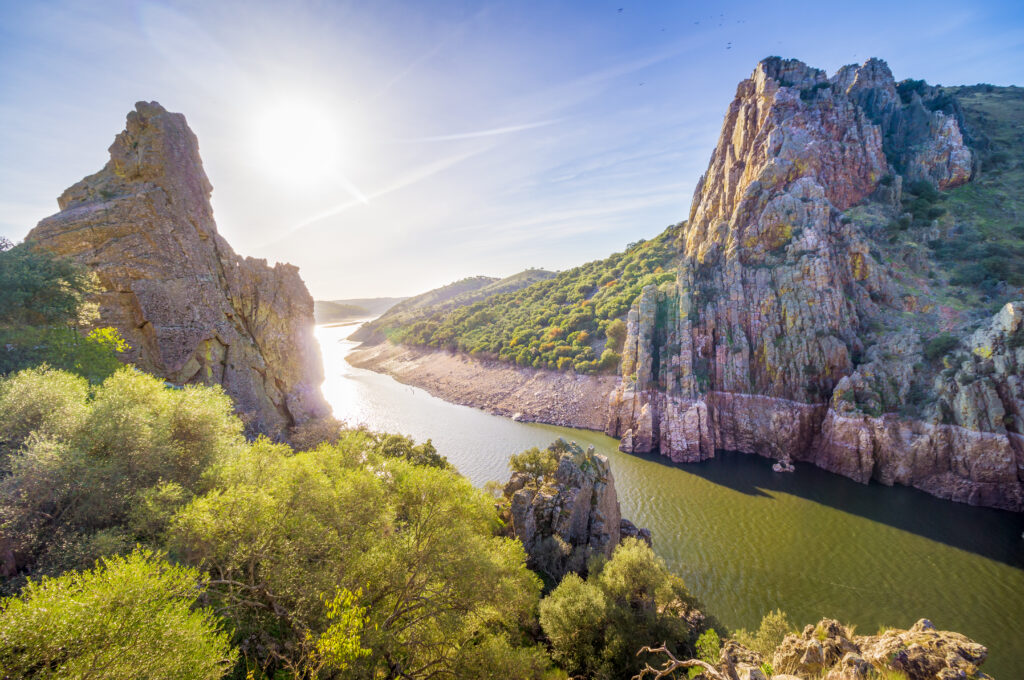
84, 468
38, 288
280, 530
596, 626
535, 463
130, 616
42, 307
574, 617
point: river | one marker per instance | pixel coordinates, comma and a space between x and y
746, 539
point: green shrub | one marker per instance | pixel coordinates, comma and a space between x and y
131, 616
775, 625
596, 626
939, 346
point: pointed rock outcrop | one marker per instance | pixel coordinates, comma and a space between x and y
192, 310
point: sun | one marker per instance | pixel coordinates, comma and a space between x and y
297, 141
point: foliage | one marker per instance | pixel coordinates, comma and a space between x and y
129, 616
775, 625
985, 248
535, 463
42, 305
939, 346
93, 356
40, 289
596, 626
278, 530
709, 646
560, 323
92, 473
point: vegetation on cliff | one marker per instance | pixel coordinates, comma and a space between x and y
566, 323
44, 313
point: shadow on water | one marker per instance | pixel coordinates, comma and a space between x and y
995, 534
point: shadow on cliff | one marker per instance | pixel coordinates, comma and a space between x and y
995, 534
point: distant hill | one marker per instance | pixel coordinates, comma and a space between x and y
340, 311
440, 301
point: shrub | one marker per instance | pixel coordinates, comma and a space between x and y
596, 626
131, 616
940, 346
775, 625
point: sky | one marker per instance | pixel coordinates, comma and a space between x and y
388, 147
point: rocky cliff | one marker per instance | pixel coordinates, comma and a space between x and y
564, 509
192, 310
830, 651
801, 325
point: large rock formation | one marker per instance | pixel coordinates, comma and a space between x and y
788, 334
568, 514
192, 310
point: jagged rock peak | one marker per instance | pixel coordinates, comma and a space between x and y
842, 135
192, 310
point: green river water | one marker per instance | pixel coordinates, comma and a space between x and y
746, 539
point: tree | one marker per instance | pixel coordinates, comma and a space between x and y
38, 288
130, 616
280, 531
84, 467
43, 306
637, 599
535, 463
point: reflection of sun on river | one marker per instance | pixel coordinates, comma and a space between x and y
746, 539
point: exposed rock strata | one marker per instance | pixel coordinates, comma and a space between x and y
192, 310
565, 518
782, 334
525, 394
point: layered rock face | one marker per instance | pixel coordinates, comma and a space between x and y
192, 310
785, 322
570, 515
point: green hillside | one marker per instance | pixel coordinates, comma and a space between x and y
561, 323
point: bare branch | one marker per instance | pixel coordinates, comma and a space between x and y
673, 664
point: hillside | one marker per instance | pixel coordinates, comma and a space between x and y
446, 298
340, 311
845, 291
559, 323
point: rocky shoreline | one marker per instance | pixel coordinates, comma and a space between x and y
523, 394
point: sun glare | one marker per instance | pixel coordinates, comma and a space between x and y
298, 142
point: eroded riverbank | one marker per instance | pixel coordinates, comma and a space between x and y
526, 394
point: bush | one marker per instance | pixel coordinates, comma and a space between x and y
596, 626
774, 627
940, 346
90, 460
131, 616
415, 542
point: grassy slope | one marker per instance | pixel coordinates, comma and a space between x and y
557, 323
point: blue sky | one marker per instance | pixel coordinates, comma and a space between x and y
464, 138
